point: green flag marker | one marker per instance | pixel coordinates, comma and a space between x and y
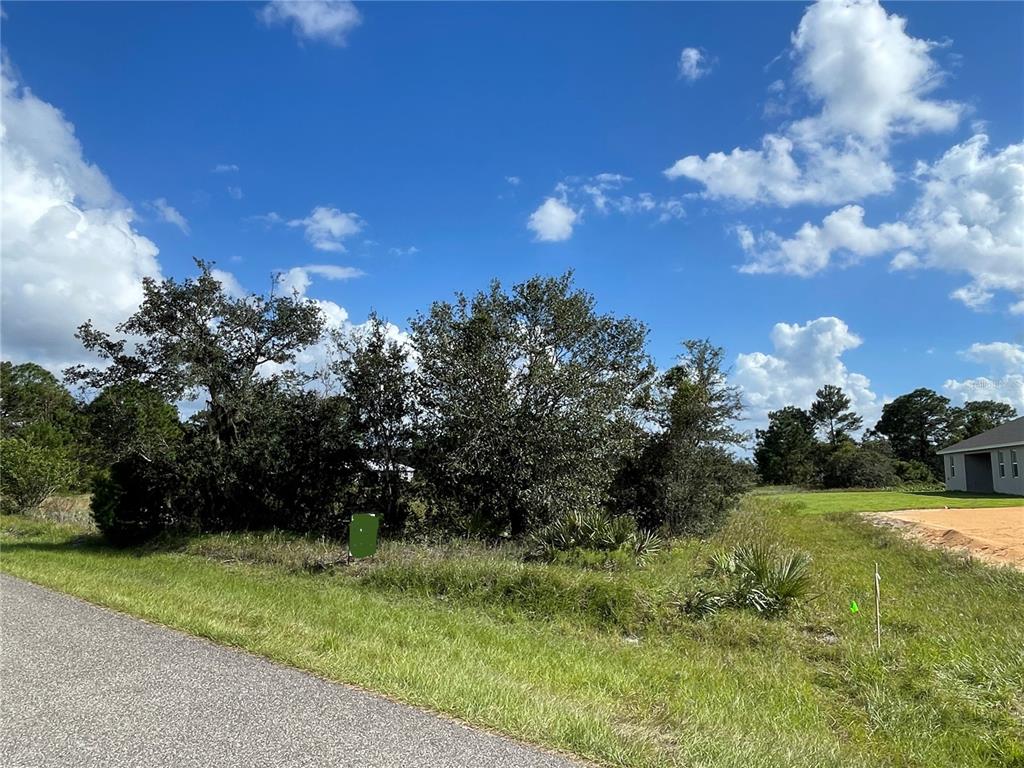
854, 607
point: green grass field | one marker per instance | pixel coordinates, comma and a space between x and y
605, 665
820, 502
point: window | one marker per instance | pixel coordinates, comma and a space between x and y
1013, 463
952, 467
1002, 464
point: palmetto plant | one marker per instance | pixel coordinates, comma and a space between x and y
756, 576
593, 531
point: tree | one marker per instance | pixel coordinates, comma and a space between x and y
30, 473
187, 339
36, 407
686, 479
850, 465
525, 400
977, 416
786, 450
916, 424
190, 338
377, 381
132, 419
832, 414
30, 394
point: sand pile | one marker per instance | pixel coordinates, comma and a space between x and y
993, 535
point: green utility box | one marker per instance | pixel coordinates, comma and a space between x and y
362, 535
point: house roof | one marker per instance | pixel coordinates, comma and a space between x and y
1010, 433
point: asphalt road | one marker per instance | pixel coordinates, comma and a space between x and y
83, 686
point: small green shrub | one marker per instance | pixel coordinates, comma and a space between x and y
593, 538
30, 473
756, 576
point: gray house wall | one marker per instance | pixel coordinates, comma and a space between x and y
959, 467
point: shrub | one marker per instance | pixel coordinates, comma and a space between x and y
754, 576
593, 538
30, 473
133, 502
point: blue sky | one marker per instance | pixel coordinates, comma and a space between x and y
416, 143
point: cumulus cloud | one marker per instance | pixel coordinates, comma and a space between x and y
803, 358
693, 64
70, 248
235, 193
326, 228
871, 82
968, 218
297, 279
552, 221
225, 168
812, 248
229, 282
513, 180
1004, 381
328, 21
170, 214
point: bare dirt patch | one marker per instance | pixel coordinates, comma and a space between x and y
995, 535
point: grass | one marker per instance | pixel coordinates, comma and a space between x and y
604, 664
821, 502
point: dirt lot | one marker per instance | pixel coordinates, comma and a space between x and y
994, 535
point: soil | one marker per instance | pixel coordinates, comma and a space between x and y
993, 535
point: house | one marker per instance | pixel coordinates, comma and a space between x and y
992, 462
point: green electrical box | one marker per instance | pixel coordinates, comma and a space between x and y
362, 535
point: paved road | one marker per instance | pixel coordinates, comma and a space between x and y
82, 686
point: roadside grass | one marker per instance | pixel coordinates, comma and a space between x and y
604, 664
821, 502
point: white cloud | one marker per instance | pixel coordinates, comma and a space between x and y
1005, 380
1005, 389
813, 247
229, 282
971, 217
870, 77
871, 80
329, 21
235, 192
170, 214
804, 357
968, 218
603, 194
513, 180
553, 221
693, 64
225, 168
297, 279
326, 228
412, 250
70, 249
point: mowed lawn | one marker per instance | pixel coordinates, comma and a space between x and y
606, 665
820, 502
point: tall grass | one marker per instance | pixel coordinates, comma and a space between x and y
590, 661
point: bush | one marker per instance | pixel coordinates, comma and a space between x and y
754, 576
30, 473
134, 501
593, 538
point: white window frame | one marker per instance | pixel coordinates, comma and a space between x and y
1014, 467
1002, 463
952, 466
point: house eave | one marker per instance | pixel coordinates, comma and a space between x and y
980, 448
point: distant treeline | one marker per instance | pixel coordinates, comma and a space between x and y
815, 447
